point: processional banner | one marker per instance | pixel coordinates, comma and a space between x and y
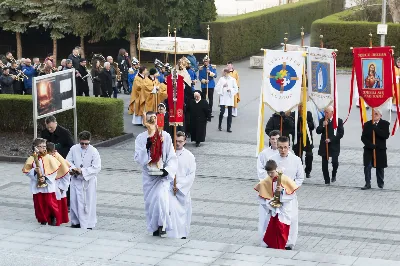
175, 100
374, 71
282, 81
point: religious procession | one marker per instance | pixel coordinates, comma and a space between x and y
188, 166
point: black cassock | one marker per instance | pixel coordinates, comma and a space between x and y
199, 113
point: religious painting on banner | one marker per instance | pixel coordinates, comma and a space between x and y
175, 100
374, 72
283, 77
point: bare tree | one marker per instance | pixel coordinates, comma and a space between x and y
394, 6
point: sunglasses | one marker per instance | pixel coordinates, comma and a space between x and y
84, 144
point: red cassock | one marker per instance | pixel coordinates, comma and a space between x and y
277, 233
62, 211
178, 118
46, 206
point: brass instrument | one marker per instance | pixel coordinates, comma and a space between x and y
21, 76
39, 174
276, 201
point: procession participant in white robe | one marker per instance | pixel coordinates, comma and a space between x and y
226, 89
281, 187
262, 174
44, 198
292, 167
180, 205
148, 146
63, 180
85, 166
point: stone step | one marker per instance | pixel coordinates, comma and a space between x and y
32, 244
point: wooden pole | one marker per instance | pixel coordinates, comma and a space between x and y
285, 50
208, 58
175, 107
321, 41
139, 40
372, 121
299, 109
168, 35
321, 45
302, 36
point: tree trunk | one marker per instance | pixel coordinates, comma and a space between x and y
132, 44
394, 6
82, 44
19, 45
55, 52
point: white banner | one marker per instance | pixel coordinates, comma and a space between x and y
167, 45
282, 79
321, 75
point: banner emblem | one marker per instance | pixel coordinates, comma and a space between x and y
283, 78
321, 82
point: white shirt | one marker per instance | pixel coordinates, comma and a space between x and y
226, 89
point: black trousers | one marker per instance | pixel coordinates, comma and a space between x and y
210, 97
380, 174
221, 116
309, 157
335, 166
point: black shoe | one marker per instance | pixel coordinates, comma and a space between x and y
209, 119
230, 131
288, 248
366, 187
327, 183
220, 128
53, 221
89, 228
197, 144
212, 116
308, 175
75, 225
161, 232
333, 179
183, 237
43, 223
380, 186
156, 233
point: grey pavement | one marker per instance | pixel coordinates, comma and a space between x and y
339, 224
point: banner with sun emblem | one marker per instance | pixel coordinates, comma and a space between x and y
321, 76
282, 79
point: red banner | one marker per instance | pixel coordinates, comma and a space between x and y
178, 117
374, 74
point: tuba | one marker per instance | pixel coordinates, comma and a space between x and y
276, 200
36, 159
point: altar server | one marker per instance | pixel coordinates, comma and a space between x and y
156, 187
292, 167
181, 204
85, 166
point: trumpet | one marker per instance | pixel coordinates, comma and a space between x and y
39, 174
21, 76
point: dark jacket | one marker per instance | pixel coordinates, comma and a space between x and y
75, 60
274, 123
96, 81
106, 83
61, 137
334, 145
17, 85
123, 65
382, 133
6, 84
310, 123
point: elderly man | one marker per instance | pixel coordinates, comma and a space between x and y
331, 141
113, 72
227, 89
374, 136
199, 114
106, 80
30, 73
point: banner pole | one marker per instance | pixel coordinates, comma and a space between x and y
208, 58
285, 40
299, 109
139, 40
372, 115
321, 45
168, 35
302, 36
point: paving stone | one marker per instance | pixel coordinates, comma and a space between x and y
200, 252
147, 253
198, 259
319, 257
290, 262
236, 262
195, 244
169, 262
380, 262
259, 251
244, 257
136, 259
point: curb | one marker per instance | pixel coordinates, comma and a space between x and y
106, 143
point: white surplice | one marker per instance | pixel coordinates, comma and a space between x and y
83, 197
155, 188
226, 93
262, 173
62, 184
181, 205
293, 168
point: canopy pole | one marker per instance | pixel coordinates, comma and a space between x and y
139, 41
176, 90
168, 35
302, 36
208, 58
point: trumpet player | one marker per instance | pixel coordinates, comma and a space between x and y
16, 74
7, 81
277, 194
81, 78
43, 168
29, 72
292, 167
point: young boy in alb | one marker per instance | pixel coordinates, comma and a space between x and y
42, 169
275, 193
63, 180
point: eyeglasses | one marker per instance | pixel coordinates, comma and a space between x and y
84, 144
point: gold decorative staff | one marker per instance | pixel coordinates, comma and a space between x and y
139, 40
285, 40
208, 58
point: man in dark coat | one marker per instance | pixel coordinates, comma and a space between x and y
274, 123
82, 75
124, 63
333, 142
308, 149
382, 132
199, 115
6, 82
75, 57
106, 80
60, 136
